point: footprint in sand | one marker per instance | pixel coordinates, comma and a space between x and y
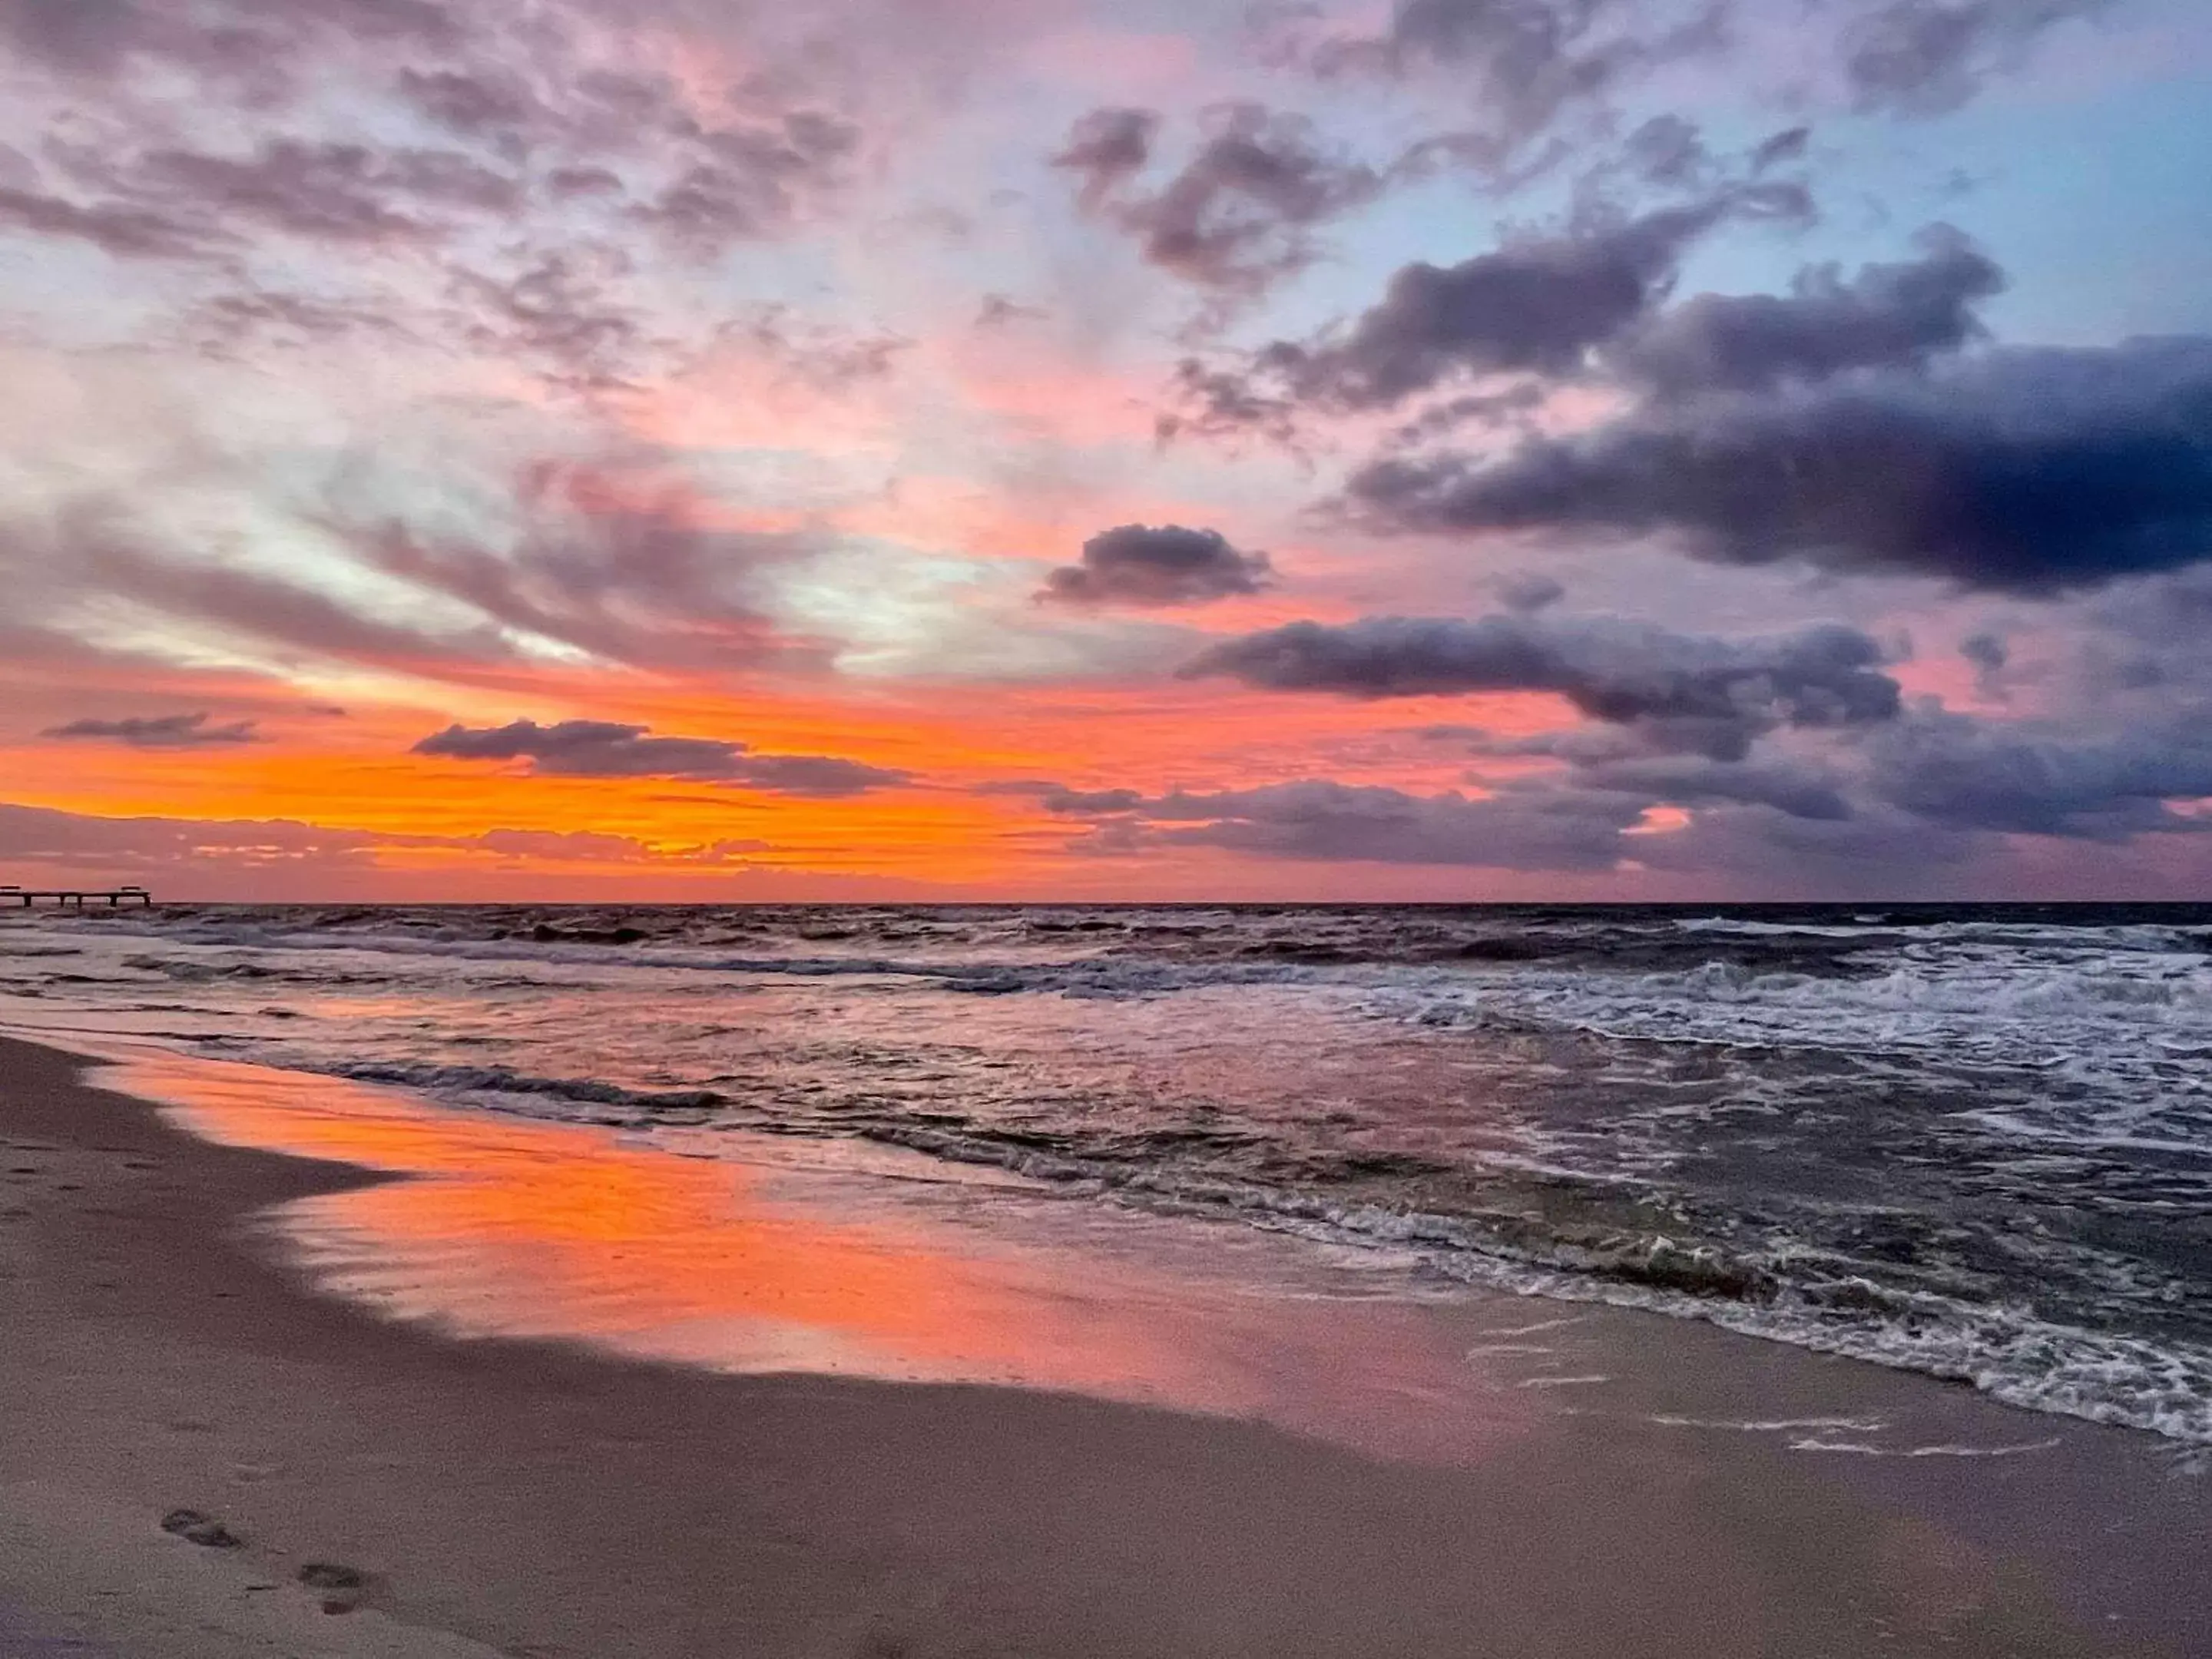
205, 1530
340, 1587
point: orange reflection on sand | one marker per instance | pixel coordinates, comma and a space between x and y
559, 1231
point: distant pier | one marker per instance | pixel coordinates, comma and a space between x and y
64, 898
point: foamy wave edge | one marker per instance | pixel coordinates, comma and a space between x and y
2004, 1351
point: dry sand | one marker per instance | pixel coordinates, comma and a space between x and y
510, 1498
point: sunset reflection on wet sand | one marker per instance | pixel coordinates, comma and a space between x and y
574, 1232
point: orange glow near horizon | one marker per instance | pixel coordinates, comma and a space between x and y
355, 776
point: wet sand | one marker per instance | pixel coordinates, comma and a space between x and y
503, 1495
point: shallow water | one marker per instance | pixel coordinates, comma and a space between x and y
1975, 1142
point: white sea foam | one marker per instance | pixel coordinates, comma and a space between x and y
1773, 1426
1861, 1448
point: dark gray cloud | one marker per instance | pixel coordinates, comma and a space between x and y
1089, 803
1899, 315
602, 749
597, 748
2025, 471
1540, 307
159, 732
1237, 213
1136, 564
1926, 790
1941, 791
1680, 691
1929, 57
1968, 774
1535, 308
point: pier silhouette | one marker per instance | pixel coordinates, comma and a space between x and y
64, 898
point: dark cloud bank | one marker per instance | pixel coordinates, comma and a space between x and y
1858, 424
2022, 471
1799, 757
1714, 696
1861, 423
1539, 306
602, 749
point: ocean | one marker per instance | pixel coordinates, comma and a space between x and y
1971, 1141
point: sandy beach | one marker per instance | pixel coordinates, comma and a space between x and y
360, 1485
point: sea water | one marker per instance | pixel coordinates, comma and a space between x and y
1970, 1141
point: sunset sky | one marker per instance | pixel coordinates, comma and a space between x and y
913, 449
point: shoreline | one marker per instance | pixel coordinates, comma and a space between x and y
512, 1496
1802, 1164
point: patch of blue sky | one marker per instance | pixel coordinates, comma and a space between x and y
2101, 212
